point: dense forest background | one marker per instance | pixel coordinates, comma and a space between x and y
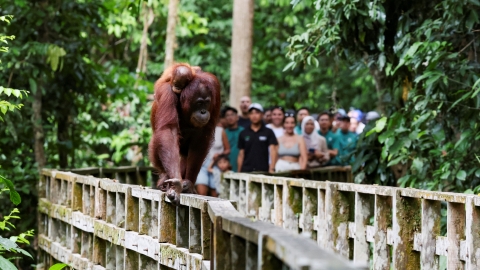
89, 68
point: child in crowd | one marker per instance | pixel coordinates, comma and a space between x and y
217, 168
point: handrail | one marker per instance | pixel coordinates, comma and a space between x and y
98, 223
402, 226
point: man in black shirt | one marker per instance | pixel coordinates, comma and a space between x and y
255, 142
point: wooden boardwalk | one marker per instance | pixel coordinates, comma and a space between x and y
262, 222
99, 223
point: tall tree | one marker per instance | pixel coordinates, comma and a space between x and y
171, 36
241, 63
423, 57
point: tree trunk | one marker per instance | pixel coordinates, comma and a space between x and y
62, 139
143, 55
38, 132
170, 43
241, 65
379, 77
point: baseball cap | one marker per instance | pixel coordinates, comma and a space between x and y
372, 116
256, 106
344, 118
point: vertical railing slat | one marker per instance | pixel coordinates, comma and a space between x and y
405, 223
472, 229
455, 233
238, 253
430, 230
337, 213
363, 213
381, 251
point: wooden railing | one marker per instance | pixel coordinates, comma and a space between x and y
94, 223
387, 227
330, 173
143, 175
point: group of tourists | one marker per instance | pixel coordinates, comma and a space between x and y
278, 140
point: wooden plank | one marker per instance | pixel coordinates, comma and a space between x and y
320, 221
277, 217
267, 203
154, 219
441, 245
99, 251
254, 199
195, 230
77, 196
119, 258
455, 233
472, 229
111, 209
310, 204
132, 211
292, 206
406, 222
382, 220
168, 221
238, 253
337, 214
430, 230
234, 190
435, 196
132, 259
363, 213
242, 197
251, 253
206, 234
87, 245
120, 210
145, 218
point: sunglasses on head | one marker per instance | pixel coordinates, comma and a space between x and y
288, 114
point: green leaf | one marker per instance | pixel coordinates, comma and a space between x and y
7, 91
384, 136
14, 196
7, 243
413, 49
445, 175
380, 125
461, 175
477, 173
6, 264
417, 165
17, 93
290, 65
24, 252
33, 85
58, 266
395, 161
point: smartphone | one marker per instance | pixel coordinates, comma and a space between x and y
311, 150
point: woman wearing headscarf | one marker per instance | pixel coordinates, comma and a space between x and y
316, 144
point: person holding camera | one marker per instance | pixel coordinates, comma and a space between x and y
316, 144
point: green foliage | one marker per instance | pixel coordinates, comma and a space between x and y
58, 266
4, 38
5, 105
423, 58
9, 245
14, 196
